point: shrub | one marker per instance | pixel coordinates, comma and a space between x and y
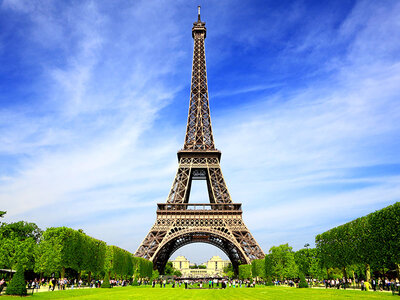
269, 281
17, 285
106, 281
303, 283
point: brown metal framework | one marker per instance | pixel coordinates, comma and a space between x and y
219, 222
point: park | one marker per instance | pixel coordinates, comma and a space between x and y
336, 235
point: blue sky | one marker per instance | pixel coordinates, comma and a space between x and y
94, 96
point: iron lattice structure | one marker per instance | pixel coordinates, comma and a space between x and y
218, 222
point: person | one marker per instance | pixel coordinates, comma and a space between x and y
2, 284
53, 283
393, 286
367, 285
373, 284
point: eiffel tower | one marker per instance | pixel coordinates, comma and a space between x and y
218, 222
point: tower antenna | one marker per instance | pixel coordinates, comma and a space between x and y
198, 13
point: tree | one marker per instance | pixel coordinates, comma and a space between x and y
228, 271
245, 271
18, 242
2, 213
268, 269
17, 285
303, 261
178, 273
155, 275
169, 269
258, 268
372, 240
283, 262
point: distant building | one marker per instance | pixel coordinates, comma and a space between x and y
214, 267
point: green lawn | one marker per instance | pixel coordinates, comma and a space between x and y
230, 293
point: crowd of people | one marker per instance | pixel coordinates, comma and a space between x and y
216, 283
379, 284
52, 284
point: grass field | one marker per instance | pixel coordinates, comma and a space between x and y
231, 293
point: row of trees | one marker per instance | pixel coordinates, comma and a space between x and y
61, 249
373, 241
355, 248
282, 262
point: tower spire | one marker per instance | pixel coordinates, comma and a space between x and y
198, 131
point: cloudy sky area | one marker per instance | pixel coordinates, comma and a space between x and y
94, 96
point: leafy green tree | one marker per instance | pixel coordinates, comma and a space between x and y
17, 285
268, 269
258, 268
177, 273
302, 258
2, 213
18, 242
228, 271
283, 262
372, 240
169, 269
245, 272
155, 275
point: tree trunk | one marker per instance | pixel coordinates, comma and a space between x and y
398, 270
63, 272
344, 273
89, 276
79, 275
368, 272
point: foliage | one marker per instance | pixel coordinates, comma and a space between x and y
63, 247
2, 213
170, 270
283, 262
309, 263
245, 271
178, 273
106, 281
155, 275
258, 268
123, 264
268, 269
17, 285
195, 266
303, 283
228, 271
18, 242
370, 240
